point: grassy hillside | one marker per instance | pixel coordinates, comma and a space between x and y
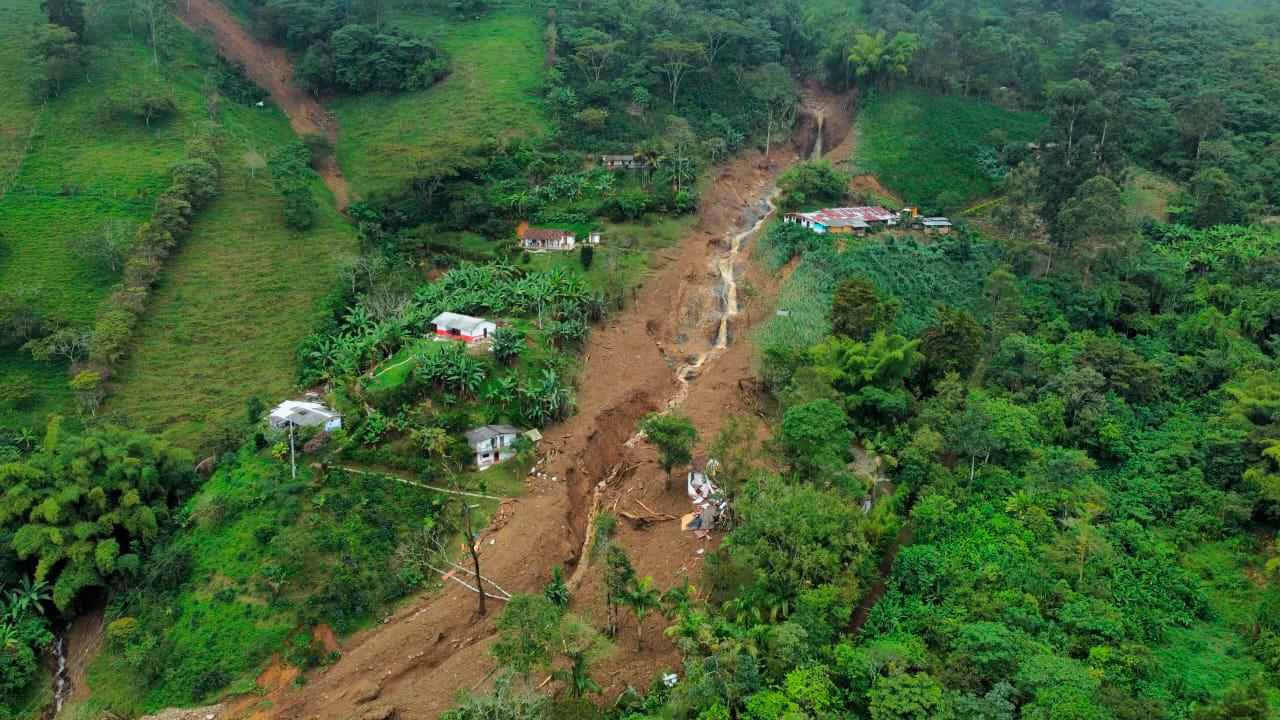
492, 91
922, 145
235, 299
64, 170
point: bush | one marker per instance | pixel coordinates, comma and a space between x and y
17, 392
291, 174
813, 183
193, 182
233, 83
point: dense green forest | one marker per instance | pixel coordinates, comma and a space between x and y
1074, 396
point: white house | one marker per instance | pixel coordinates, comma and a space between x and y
492, 444
543, 239
304, 414
453, 326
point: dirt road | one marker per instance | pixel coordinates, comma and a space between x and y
416, 663
270, 69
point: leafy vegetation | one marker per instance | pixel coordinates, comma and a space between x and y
940, 151
261, 555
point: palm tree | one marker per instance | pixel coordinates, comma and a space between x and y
577, 675
642, 598
26, 437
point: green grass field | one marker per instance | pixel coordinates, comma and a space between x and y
492, 91
64, 170
921, 145
235, 297
17, 114
234, 300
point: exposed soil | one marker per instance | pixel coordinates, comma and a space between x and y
417, 662
84, 641
270, 68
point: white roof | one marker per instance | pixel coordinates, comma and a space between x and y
302, 413
935, 222
464, 324
480, 434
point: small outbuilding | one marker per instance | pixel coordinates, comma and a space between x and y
544, 239
939, 225
492, 444
454, 326
300, 413
628, 162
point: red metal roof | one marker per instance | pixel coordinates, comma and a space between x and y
545, 234
865, 214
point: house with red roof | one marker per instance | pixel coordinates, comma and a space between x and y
848, 220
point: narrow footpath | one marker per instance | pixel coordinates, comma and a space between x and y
270, 68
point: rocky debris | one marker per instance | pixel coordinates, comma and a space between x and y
385, 712
208, 712
365, 691
316, 443
205, 468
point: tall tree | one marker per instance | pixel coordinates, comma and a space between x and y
676, 59
67, 13
1201, 118
775, 90
857, 311
1093, 222
674, 435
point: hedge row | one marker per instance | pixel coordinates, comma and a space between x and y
193, 183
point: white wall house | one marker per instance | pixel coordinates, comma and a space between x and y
453, 326
301, 413
492, 444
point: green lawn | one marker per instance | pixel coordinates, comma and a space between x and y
1209, 656
921, 145
493, 91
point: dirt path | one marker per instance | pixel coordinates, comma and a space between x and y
271, 69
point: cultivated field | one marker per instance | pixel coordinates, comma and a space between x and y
921, 145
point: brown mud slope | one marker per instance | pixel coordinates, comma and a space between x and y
271, 69
416, 663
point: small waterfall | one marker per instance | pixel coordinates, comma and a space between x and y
61, 684
816, 152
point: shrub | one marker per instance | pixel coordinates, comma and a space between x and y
291, 174
144, 102
193, 182
813, 183
233, 83
17, 392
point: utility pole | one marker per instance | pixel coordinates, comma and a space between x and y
293, 459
